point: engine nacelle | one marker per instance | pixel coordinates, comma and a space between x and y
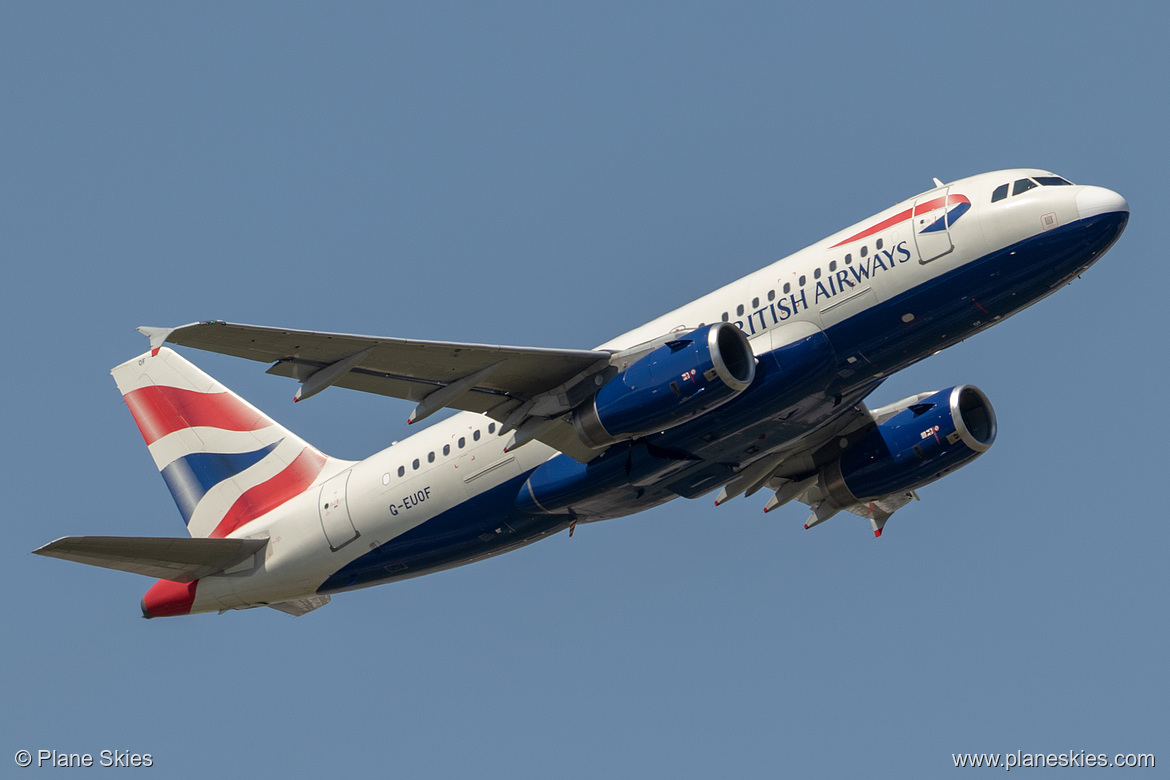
918, 445
678, 381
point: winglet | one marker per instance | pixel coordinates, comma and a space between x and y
157, 336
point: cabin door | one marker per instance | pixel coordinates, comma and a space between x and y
932, 234
334, 509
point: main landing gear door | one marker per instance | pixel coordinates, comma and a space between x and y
334, 508
932, 234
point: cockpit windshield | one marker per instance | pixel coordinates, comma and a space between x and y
1023, 185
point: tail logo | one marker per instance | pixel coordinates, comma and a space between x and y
224, 461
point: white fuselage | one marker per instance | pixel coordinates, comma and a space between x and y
824, 285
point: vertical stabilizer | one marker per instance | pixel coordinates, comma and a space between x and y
225, 462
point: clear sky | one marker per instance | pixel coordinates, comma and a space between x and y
552, 175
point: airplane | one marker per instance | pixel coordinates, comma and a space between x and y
758, 386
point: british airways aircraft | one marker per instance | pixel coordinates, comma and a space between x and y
760, 385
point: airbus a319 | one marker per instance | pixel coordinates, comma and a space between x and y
758, 387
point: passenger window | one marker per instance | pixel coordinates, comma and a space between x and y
725, 317
415, 464
1023, 185
1053, 181
1000, 193
739, 310
430, 457
475, 435
879, 243
864, 251
832, 266
771, 295
755, 303
402, 471
462, 442
787, 288
491, 427
446, 449
801, 280
848, 259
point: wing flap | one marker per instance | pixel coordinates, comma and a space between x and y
175, 559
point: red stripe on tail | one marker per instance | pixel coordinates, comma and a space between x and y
159, 411
268, 495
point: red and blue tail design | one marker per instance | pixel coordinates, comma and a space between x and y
226, 462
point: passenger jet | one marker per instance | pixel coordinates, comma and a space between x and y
759, 386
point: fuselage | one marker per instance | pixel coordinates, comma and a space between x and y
875, 298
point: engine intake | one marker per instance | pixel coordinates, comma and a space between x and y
918, 445
676, 382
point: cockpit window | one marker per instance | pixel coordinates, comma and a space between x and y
1023, 185
1000, 193
1053, 181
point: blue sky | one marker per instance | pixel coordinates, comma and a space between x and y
553, 175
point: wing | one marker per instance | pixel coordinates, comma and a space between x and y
525, 388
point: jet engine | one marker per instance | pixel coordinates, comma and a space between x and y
676, 382
918, 445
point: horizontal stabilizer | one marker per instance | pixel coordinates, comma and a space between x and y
178, 560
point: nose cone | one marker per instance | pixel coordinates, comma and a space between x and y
1092, 201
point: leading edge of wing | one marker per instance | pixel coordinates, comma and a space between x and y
261, 342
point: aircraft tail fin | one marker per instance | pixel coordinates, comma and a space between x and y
225, 462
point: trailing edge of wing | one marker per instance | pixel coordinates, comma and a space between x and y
178, 560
